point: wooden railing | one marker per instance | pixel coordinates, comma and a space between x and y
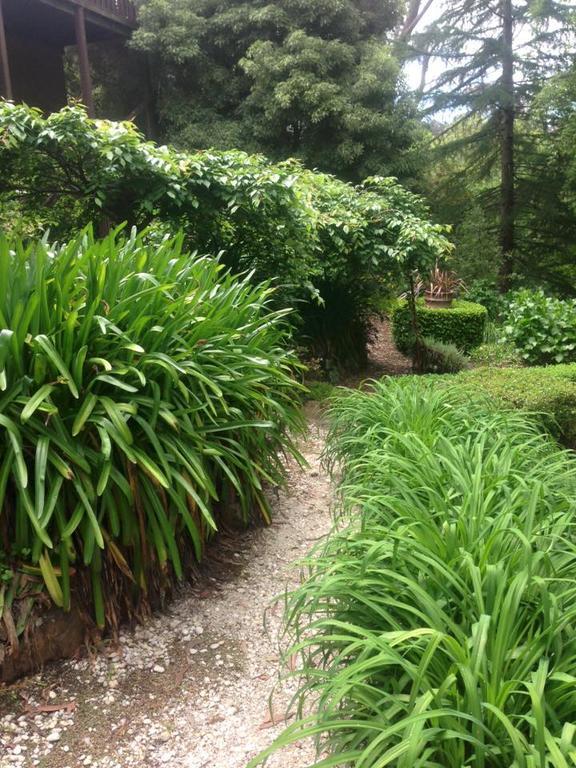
123, 9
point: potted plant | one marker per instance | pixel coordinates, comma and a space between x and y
441, 288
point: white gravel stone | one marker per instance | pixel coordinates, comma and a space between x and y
151, 690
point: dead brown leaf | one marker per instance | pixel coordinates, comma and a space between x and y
65, 706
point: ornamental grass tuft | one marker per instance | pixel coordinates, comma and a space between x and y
143, 391
437, 624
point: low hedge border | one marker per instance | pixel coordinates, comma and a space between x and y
549, 390
462, 324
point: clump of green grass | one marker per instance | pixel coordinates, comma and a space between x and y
436, 628
438, 357
320, 391
142, 389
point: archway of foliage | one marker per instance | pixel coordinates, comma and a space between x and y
333, 246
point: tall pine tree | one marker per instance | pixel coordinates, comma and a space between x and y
494, 57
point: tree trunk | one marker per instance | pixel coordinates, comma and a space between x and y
507, 116
413, 18
423, 75
418, 353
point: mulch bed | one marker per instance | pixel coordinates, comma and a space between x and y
383, 357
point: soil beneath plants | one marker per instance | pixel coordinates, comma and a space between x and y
198, 685
383, 357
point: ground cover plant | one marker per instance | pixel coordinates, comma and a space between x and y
436, 624
334, 248
495, 350
144, 392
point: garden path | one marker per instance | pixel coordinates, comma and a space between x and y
191, 688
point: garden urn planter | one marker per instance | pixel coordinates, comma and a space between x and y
438, 300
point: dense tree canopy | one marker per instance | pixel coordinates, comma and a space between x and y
332, 248
547, 185
495, 60
305, 78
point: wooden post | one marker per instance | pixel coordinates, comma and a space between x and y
4, 63
83, 60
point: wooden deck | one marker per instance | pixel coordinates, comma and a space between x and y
122, 9
34, 35
116, 11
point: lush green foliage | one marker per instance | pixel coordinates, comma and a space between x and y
307, 79
486, 292
438, 357
550, 392
501, 171
499, 354
66, 170
332, 246
369, 237
437, 627
547, 186
461, 191
495, 349
462, 324
543, 329
141, 389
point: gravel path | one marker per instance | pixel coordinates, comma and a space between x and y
191, 688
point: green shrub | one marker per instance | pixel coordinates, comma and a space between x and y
333, 247
542, 329
495, 354
462, 324
486, 293
143, 390
550, 391
437, 627
495, 349
442, 358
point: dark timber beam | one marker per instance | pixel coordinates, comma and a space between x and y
96, 14
83, 60
4, 63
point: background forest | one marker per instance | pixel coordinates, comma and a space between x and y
470, 103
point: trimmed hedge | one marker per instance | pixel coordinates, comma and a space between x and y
462, 325
547, 390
